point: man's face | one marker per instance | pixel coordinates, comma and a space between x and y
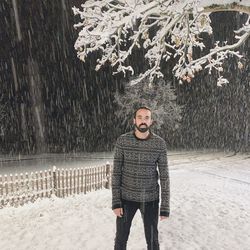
143, 120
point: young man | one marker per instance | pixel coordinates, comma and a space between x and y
135, 180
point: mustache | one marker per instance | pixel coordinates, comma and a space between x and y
143, 124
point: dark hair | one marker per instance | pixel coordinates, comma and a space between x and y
141, 107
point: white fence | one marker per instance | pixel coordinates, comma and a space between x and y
18, 189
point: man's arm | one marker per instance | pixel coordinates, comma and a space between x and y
164, 181
116, 176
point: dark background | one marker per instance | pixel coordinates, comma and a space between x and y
50, 101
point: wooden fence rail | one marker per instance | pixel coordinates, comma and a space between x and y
18, 189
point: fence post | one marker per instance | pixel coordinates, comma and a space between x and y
1, 191
108, 176
85, 180
54, 181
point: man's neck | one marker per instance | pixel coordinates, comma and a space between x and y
140, 135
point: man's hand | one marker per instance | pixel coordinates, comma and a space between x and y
118, 212
163, 217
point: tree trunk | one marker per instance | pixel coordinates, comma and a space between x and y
37, 105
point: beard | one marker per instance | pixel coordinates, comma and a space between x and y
143, 129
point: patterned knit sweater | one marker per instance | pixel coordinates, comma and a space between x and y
137, 164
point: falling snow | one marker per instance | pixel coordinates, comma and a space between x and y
56, 109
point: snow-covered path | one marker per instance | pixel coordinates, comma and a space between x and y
210, 209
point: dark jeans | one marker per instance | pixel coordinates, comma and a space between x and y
149, 212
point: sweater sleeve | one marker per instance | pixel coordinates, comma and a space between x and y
164, 181
116, 175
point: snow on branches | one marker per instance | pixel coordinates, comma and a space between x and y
165, 29
159, 96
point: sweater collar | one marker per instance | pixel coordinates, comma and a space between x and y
145, 139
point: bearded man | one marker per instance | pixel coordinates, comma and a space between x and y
140, 159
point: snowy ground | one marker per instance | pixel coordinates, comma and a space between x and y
210, 209
25, 163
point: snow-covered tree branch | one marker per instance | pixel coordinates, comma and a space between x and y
165, 28
159, 96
